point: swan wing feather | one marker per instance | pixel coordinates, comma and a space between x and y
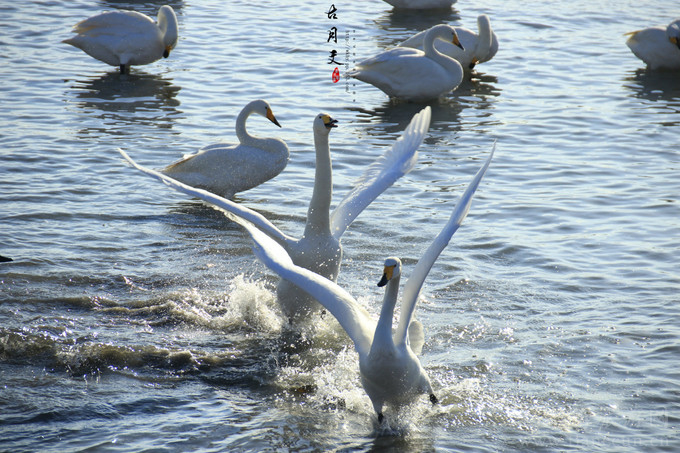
381, 174
352, 317
415, 282
230, 208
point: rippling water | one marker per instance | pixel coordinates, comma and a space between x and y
136, 319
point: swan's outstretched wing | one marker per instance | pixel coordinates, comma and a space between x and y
382, 173
415, 281
352, 317
230, 208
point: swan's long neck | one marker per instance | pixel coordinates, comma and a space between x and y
484, 36
383, 331
320, 205
431, 51
243, 136
167, 23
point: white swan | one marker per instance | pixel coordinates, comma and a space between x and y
226, 169
658, 47
420, 4
412, 74
478, 47
390, 371
125, 38
319, 247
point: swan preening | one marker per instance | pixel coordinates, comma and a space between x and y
125, 38
658, 47
412, 74
477, 47
225, 169
390, 371
319, 247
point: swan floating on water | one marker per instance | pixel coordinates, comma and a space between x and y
390, 371
658, 47
477, 47
413, 74
319, 248
125, 38
225, 169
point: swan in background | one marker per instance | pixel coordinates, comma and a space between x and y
125, 38
412, 74
478, 47
658, 47
420, 4
390, 371
319, 247
226, 169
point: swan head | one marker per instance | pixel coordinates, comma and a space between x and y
445, 32
392, 270
167, 22
323, 123
262, 107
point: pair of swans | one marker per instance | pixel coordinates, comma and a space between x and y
390, 370
319, 247
125, 38
658, 47
477, 47
225, 169
412, 74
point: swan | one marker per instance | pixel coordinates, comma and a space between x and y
658, 47
319, 248
412, 74
420, 4
479, 47
390, 370
226, 169
124, 38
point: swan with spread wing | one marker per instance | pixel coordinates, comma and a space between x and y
390, 370
319, 248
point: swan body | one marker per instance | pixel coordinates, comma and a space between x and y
477, 47
420, 4
226, 169
412, 74
125, 38
319, 248
658, 47
390, 370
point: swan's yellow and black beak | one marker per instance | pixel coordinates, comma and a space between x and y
329, 122
387, 275
473, 63
271, 117
675, 41
166, 52
456, 41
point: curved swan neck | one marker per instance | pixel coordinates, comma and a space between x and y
167, 23
243, 136
484, 35
431, 51
383, 330
320, 205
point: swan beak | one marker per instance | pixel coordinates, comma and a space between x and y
166, 52
387, 276
675, 41
473, 63
329, 122
456, 41
272, 118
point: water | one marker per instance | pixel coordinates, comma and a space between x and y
136, 319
